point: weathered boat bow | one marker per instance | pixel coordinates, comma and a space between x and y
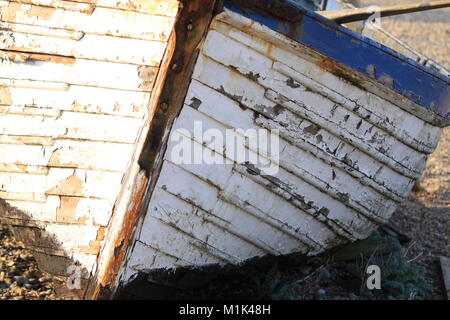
97, 185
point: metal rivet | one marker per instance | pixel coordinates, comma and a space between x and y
190, 26
164, 106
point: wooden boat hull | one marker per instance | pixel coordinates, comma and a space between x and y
89, 177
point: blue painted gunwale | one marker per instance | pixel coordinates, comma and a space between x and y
424, 86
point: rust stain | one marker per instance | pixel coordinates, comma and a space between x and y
338, 70
101, 234
121, 244
269, 50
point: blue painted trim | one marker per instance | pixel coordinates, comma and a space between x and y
423, 85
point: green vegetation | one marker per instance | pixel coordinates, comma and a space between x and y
399, 279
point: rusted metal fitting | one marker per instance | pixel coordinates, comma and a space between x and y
164, 106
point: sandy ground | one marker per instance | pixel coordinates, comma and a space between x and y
426, 216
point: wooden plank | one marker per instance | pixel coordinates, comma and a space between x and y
80, 72
73, 98
73, 125
29, 155
90, 155
26, 140
20, 182
445, 267
93, 47
103, 21
23, 196
6, 84
409, 163
86, 8
20, 168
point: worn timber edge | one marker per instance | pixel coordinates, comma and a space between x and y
191, 25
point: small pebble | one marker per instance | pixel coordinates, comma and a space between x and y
21, 280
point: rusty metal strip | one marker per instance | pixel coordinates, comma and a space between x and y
166, 102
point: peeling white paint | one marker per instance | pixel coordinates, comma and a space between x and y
342, 173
